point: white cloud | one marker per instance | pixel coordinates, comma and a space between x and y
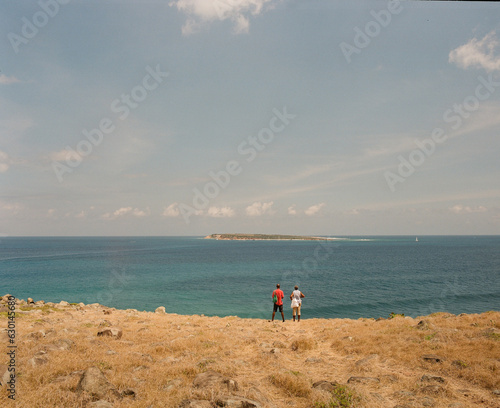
6, 80
258, 209
220, 212
292, 210
314, 209
81, 214
64, 155
4, 162
201, 12
171, 211
121, 212
484, 53
461, 209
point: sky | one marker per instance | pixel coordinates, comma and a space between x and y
193, 117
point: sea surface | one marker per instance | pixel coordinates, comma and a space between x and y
350, 277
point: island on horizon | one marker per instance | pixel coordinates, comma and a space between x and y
263, 237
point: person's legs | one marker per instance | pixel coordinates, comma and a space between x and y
298, 313
275, 307
281, 310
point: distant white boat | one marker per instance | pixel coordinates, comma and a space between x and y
416, 239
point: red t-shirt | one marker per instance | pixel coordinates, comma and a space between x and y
279, 293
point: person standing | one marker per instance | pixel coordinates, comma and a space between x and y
296, 298
278, 296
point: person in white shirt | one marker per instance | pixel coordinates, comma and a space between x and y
296, 298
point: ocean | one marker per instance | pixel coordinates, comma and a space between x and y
350, 277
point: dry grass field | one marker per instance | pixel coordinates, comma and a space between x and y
167, 360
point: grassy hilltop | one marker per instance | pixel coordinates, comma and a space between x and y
147, 359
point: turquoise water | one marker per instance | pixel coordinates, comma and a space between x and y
349, 278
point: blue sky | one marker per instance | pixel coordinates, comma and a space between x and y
193, 117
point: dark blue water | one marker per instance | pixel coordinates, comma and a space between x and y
355, 277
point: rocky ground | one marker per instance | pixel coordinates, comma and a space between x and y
76, 355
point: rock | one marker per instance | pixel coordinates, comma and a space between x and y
107, 311
160, 310
192, 403
4, 375
427, 402
95, 383
176, 382
432, 378
211, 378
114, 332
496, 392
404, 394
432, 389
367, 360
236, 402
363, 380
128, 392
38, 359
39, 303
432, 358
325, 385
63, 344
423, 325
30, 301
100, 404
63, 303
313, 360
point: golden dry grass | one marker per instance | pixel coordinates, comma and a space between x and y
276, 363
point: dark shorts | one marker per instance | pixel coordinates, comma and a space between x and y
276, 308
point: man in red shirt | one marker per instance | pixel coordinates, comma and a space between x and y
279, 301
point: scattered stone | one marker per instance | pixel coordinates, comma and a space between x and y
404, 394
427, 402
30, 301
128, 392
176, 382
211, 378
63, 344
314, 360
100, 404
432, 358
63, 303
236, 402
114, 332
105, 323
432, 389
107, 311
365, 361
4, 375
432, 378
160, 310
192, 403
95, 383
38, 359
363, 380
423, 325
496, 392
326, 385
